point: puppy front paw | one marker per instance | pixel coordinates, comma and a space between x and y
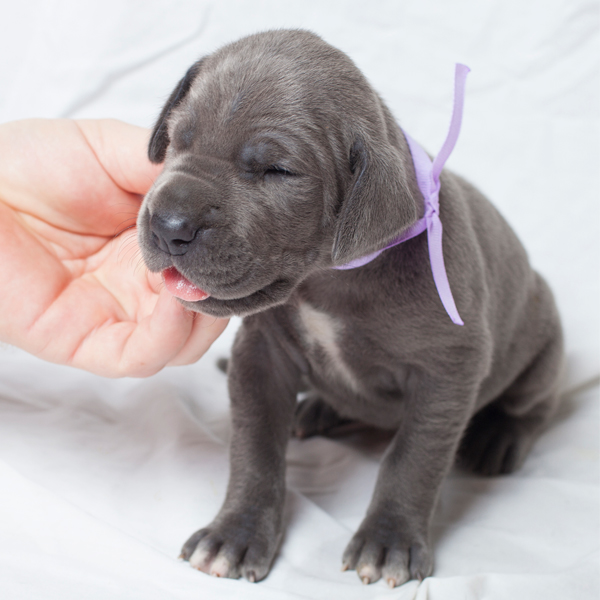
383, 547
233, 547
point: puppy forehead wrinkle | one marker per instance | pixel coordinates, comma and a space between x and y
243, 76
279, 86
235, 103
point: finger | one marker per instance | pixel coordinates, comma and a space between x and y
205, 331
130, 349
158, 338
57, 174
155, 281
121, 149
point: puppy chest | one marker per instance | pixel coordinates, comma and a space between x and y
321, 335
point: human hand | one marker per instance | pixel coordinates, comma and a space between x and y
74, 291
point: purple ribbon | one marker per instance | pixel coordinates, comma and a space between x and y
428, 179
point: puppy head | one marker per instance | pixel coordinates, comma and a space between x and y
279, 160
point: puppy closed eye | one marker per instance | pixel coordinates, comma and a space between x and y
278, 171
262, 160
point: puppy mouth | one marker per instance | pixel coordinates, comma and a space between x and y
181, 287
198, 300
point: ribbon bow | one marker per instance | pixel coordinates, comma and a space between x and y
428, 179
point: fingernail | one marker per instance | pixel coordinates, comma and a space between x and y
366, 580
344, 567
251, 577
391, 583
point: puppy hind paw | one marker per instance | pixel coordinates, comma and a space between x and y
223, 364
495, 443
315, 417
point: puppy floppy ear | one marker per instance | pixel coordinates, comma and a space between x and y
159, 140
378, 205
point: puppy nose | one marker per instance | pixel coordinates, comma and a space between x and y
173, 233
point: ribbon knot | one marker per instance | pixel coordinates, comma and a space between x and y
430, 211
428, 179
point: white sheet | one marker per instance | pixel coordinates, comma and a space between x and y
101, 481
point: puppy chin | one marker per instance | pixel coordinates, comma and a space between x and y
271, 295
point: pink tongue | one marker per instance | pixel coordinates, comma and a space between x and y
181, 288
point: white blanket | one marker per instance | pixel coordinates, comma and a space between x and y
101, 481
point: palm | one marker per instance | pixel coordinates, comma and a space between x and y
76, 291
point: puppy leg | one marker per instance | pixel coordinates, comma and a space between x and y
393, 540
501, 434
243, 538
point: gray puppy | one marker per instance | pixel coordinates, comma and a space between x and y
281, 162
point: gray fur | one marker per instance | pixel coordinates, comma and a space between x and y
284, 162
